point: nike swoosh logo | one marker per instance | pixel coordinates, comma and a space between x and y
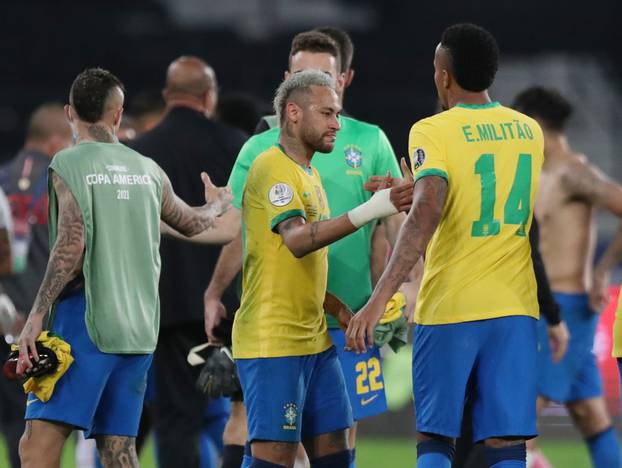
31, 401
366, 401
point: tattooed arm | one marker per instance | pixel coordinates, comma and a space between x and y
191, 221
224, 230
302, 238
585, 182
428, 202
64, 264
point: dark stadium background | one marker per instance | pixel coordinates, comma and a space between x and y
44, 44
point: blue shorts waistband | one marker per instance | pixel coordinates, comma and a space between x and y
572, 300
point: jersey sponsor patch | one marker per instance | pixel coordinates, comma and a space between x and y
280, 194
418, 158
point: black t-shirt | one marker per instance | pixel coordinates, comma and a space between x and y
184, 144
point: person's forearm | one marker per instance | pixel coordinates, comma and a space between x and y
613, 253
303, 239
224, 230
392, 225
228, 266
63, 266
333, 305
420, 225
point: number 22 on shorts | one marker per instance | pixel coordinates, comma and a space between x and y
368, 373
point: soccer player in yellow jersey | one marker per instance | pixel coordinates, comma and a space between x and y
293, 386
477, 167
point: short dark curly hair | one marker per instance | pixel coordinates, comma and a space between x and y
474, 55
545, 104
344, 41
317, 42
89, 92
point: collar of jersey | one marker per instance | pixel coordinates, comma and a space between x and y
479, 106
307, 170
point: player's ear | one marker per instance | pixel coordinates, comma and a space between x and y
287, 74
349, 77
446, 79
292, 110
118, 115
68, 113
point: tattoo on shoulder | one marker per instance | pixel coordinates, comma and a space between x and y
582, 183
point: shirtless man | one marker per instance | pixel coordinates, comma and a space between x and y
571, 189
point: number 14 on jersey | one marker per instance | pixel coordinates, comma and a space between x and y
517, 206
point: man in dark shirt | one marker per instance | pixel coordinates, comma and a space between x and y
187, 140
24, 180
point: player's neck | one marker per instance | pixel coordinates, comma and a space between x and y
188, 103
556, 149
99, 132
467, 97
295, 149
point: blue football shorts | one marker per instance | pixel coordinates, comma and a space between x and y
576, 376
489, 363
289, 399
101, 393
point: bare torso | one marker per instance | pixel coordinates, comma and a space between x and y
567, 228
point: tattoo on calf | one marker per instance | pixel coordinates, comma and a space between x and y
117, 451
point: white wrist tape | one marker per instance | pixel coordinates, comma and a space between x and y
378, 206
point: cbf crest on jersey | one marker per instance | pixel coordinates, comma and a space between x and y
418, 158
354, 156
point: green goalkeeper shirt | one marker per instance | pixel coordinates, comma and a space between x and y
361, 150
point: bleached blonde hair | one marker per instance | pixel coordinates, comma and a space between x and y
297, 83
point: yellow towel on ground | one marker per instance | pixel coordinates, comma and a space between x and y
43, 386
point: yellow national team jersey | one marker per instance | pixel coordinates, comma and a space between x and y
478, 263
617, 331
281, 312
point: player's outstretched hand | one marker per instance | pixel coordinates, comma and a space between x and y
558, 340
376, 182
360, 332
599, 293
402, 192
217, 197
214, 312
26, 342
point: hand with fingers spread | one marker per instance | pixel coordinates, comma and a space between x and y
360, 332
26, 342
219, 198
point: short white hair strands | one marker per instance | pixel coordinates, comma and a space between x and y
301, 81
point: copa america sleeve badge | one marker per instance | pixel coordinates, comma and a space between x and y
280, 194
418, 158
